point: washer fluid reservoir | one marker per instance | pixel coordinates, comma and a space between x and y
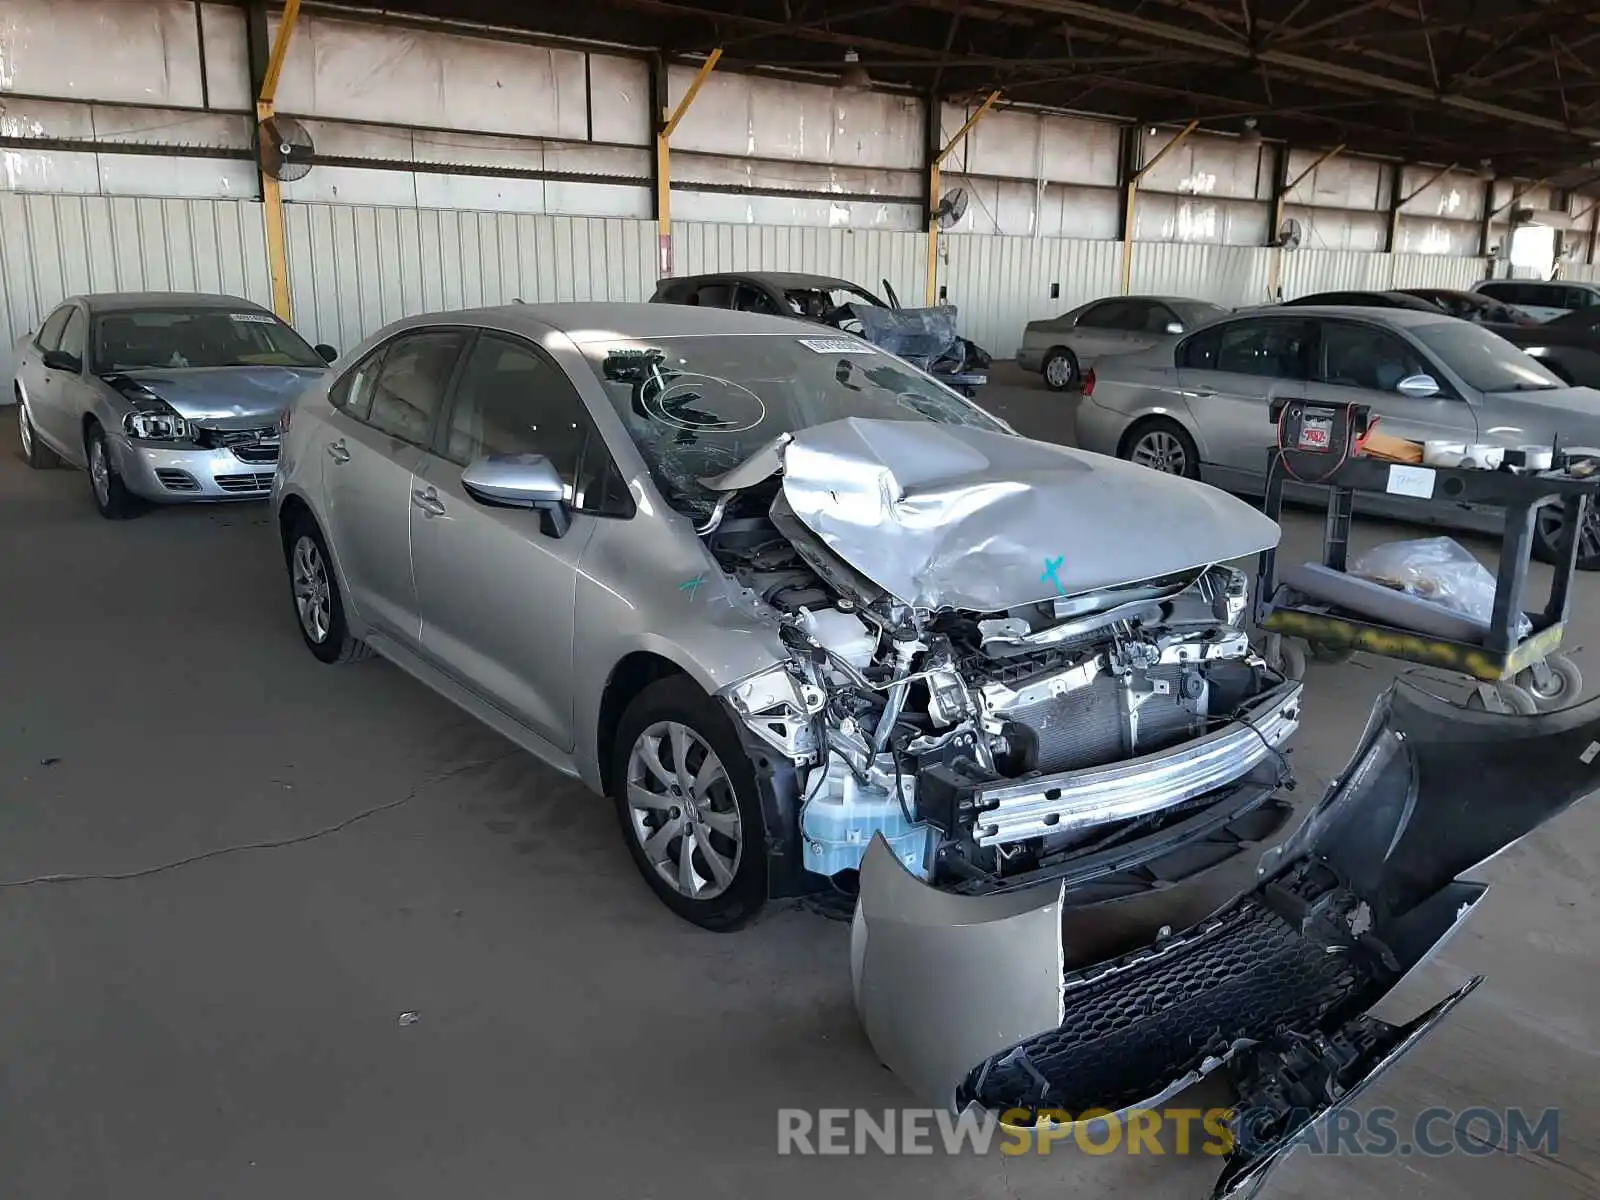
846, 634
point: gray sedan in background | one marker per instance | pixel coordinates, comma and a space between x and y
1063, 348
162, 397
1199, 407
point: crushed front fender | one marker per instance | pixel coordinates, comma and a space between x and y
1272, 990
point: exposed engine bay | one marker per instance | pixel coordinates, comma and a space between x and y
992, 748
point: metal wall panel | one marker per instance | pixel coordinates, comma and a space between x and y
52, 247
355, 268
1437, 270
1306, 271
1233, 276
1000, 283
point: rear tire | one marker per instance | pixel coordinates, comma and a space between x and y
1060, 370
111, 496
1547, 536
666, 807
314, 593
34, 452
1162, 445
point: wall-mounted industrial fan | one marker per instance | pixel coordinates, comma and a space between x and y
1290, 233
951, 208
284, 148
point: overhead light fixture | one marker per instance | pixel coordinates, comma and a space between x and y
854, 77
1251, 135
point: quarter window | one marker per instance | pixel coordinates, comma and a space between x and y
72, 334
410, 388
353, 393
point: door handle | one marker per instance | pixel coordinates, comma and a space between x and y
1201, 393
338, 452
429, 502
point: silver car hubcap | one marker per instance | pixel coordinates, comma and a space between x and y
99, 470
682, 811
1058, 372
1161, 451
25, 429
313, 596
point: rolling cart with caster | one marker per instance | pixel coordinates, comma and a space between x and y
1318, 445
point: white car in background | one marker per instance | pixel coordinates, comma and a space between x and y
1063, 348
1542, 299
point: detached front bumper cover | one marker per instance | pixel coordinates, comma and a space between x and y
986, 1003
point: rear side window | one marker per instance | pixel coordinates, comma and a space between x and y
50, 335
715, 295
1113, 314
410, 388
1270, 348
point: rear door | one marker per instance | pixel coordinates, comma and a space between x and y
495, 587
1228, 372
383, 418
1104, 328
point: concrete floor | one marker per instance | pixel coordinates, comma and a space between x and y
231, 1027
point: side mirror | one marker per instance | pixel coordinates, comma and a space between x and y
326, 352
521, 481
60, 360
1174, 326
1418, 387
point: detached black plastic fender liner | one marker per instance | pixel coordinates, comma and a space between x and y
1273, 988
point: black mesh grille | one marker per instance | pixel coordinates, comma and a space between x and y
1133, 1030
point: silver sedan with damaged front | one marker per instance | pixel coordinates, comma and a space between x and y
164, 398
776, 592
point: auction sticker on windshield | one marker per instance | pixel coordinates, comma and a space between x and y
835, 346
254, 318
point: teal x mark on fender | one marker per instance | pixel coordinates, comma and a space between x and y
1051, 566
692, 585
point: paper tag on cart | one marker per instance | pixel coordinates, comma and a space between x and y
1411, 481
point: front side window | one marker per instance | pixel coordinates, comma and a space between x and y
72, 334
510, 399
1363, 356
50, 334
1580, 298
700, 405
1484, 360
410, 388
178, 338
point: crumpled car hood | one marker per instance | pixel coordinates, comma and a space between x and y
227, 395
945, 516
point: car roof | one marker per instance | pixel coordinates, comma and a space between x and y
1158, 300
1543, 283
586, 322
1406, 317
98, 302
785, 280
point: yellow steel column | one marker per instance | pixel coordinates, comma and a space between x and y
271, 195
669, 122
934, 188
1133, 198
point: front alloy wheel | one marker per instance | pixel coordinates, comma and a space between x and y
1160, 450
683, 812
34, 452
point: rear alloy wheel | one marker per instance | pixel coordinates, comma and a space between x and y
1060, 371
34, 452
318, 606
1164, 446
1547, 530
111, 496
686, 796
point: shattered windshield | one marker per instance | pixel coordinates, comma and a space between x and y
699, 406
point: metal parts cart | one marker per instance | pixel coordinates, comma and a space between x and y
1511, 673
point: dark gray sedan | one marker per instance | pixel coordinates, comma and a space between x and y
164, 397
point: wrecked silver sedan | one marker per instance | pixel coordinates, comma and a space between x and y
778, 592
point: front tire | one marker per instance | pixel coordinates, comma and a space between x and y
314, 590
686, 797
1060, 370
112, 498
1161, 445
34, 452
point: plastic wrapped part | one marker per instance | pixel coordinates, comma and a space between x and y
1437, 569
918, 335
945, 516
